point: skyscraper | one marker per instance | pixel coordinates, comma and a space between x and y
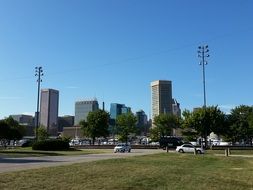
176, 108
49, 105
161, 95
118, 109
82, 108
142, 122
65, 121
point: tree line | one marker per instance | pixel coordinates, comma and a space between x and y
234, 127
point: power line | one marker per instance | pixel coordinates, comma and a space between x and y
129, 60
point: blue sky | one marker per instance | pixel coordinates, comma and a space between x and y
113, 49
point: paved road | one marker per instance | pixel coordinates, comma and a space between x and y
17, 164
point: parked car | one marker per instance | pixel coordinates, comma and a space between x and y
122, 147
189, 148
75, 142
215, 142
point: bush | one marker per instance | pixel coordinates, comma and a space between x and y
51, 145
27, 143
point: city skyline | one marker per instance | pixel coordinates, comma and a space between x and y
112, 50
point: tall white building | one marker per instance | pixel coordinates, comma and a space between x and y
49, 106
82, 108
161, 97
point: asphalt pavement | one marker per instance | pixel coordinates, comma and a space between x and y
25, 163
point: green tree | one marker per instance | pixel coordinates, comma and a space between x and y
97, 124
4, 133
240, 123
165, 123
154, 134
42, 133
10, 130
204, 121
126, 124
16, 131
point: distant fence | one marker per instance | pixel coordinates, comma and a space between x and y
231, 147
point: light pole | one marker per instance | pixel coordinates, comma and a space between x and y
203, 54
39, 74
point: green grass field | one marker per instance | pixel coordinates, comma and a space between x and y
154, 172
233, 152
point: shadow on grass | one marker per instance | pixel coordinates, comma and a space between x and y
23, 160
36, 152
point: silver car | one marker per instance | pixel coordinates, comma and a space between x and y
122, 147
189, 148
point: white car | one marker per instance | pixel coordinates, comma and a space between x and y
122, 147
189, 148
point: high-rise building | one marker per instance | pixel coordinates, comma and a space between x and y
23, 119
176, 108
27, 121
177, 112
49, 105
118, 109
82, 109
142, 122
161, 97
65, 121
142, 118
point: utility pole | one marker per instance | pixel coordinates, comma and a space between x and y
203, 54
39, 74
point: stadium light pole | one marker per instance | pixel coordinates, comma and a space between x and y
39, 74
203, 55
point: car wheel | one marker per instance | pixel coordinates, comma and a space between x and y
198, 152
181, 151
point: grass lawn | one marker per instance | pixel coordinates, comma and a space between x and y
27, 152
154, 172
233, 152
